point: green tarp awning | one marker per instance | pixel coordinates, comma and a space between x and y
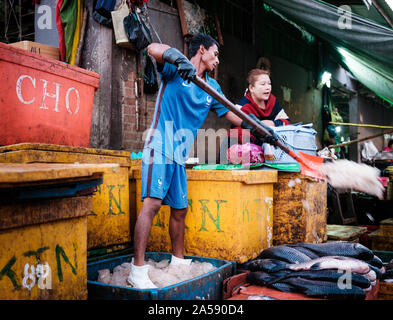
364, 47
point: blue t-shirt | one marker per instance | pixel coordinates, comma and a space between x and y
181, 109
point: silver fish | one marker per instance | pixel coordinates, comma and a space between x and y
333, 262
371, 275
338, 248
260, 297
325, 289
284, 253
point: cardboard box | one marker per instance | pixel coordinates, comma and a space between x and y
39, 48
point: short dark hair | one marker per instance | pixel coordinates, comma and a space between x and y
198, 40
390, 142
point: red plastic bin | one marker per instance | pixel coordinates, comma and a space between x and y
44, 100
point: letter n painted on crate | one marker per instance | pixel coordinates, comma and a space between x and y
113, 198
245, 210
158, 223
190, 205
205, 210
60, 252
7, 271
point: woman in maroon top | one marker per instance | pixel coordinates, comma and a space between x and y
260, 102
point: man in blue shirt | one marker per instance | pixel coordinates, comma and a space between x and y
181, 109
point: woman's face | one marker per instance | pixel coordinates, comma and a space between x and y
210, 57
261, 88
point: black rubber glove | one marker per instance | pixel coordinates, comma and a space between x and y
185, 68
271, 138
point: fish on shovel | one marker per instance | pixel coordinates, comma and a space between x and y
340, 173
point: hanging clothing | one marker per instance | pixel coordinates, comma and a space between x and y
77, 33
102, 12
139, 2
69, 14
60, 30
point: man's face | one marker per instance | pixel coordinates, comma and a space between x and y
210, 57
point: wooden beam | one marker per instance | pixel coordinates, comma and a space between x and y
383, 13
219, 33
82, 37
183, 22
184, 29
360, 140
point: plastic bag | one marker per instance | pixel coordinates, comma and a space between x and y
369, 150
137, 32
139, 2
102, 12
245, 154
118, 25
150, 84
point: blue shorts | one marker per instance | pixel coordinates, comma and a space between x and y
163, 179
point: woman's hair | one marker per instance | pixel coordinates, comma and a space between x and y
390, 142
263, 67
254, 73
198, 40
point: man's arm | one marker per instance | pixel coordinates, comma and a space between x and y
236, 121
156, 50
162, 52
233, 118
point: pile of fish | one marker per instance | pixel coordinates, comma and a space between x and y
333, 270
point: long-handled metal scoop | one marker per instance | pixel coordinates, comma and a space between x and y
309, 165
339, 173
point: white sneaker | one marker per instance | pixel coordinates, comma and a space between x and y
177, 261
139, 277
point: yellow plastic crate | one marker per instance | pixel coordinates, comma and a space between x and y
230, 215
109, 221
381, 239
43, 237
389, 191
300, 209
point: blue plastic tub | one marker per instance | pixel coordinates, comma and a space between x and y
297, 138
204, 287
